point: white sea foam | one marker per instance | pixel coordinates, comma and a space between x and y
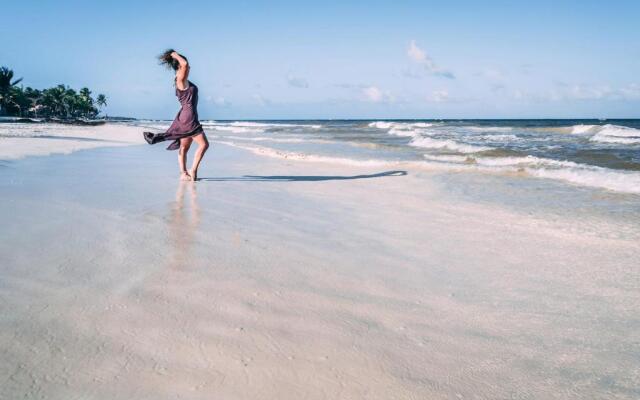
271, 125
236, 129
406, 129
380, 125
498, 138
404, 132
272, 139
490, 128
526, 161
421, 124
275, 153
619, 181
253, 124
581, 129
568, 171
608, 133
448, 144
616, 134
399, 125
530, 161
449, 158
252, 127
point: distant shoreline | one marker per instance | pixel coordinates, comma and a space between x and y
70, 121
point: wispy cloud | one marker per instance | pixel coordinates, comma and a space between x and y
582, 92
350, 85
603, 92
439, 96
375, 95
367, 92
297, 82
491, 74
444, 96
419, 56
631, 92
262, 101
495, 78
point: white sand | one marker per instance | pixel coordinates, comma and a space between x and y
18, 140
117, 281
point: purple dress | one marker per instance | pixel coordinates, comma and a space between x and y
186, 122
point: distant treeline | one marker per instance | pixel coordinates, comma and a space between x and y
57, 102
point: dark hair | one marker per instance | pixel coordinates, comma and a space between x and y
168, 61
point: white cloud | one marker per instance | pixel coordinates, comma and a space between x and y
419, 56
630, 92
585, 92
297, 82
439, 96
416, 53
375, 95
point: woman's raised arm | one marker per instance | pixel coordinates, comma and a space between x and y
182, 74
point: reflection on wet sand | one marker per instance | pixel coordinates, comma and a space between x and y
184, 219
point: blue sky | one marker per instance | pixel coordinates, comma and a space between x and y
338, 59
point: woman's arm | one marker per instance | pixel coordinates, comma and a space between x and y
182, 74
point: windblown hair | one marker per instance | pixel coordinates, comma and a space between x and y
168, 61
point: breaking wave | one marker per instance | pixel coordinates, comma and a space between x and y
616, 134
568, 171
447, 144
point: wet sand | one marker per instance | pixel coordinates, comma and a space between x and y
291, 280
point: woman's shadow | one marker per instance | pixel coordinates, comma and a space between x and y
300, 178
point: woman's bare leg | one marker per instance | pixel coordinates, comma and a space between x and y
203, 145
185, 143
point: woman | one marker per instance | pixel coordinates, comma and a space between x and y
185, 128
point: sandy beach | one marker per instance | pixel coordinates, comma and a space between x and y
281, 279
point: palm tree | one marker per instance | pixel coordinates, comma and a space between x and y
7, 93
57, 102
53, 101
33, 95
6, 75
101, 101
86, 93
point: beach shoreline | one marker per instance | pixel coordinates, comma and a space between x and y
277, 278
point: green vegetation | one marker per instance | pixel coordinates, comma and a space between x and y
57, 102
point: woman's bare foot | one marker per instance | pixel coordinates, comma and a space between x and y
194, 175
185, 176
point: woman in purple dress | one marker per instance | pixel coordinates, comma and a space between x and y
185, 128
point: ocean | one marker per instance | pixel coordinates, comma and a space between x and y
598, 154
602, 154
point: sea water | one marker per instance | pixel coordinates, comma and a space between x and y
603, 154
598, 154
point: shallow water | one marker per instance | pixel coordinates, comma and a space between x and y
602, 154
594, 153
288, 280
